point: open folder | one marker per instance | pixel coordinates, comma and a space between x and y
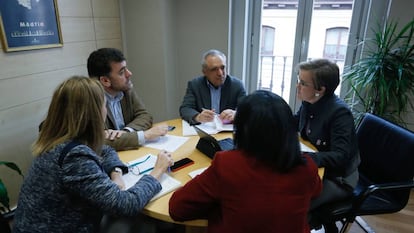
213, 127
139, 167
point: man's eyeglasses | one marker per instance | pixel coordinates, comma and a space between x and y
217, 68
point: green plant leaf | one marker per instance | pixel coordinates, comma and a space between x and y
12, 165
4, 197
382, 80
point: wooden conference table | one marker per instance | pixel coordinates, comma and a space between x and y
158, 208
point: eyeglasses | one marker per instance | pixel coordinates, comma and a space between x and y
303, 83
134, 168
217, 68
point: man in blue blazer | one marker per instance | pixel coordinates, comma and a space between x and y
213, 93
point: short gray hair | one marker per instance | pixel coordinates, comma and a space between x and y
212, 52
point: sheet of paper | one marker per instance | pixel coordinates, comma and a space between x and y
305, 148
144, 164
208, 127
197, 172
168, 183
188, 130
220, 126
168, 142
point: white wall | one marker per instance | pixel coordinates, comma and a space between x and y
164, 42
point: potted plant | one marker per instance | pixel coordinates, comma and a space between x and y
6, 213
382, 81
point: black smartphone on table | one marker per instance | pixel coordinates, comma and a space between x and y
182, 163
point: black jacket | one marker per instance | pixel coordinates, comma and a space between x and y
331, 130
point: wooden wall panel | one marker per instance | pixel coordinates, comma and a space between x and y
75, 8
41, 86
28, 78
77, 29
19, 127
105, 8
38, 61
113, 43
107, 28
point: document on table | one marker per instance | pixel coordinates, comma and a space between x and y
305, 148
168, 142
144, 165
221, 126
213, 127
197, 172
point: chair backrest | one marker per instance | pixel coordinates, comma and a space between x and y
386, 150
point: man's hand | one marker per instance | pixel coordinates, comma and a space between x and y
112, 134
205, 116
155, 132
227, 116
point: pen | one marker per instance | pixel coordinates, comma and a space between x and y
209, 110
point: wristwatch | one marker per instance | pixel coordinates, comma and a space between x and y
117, 170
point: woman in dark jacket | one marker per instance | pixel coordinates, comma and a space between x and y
326, 121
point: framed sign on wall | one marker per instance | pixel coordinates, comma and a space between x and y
29, 24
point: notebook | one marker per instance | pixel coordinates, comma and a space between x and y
209, 145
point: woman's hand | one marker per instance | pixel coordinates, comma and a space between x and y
164, 161
116, 177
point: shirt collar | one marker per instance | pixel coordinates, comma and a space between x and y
211, 86
117, 97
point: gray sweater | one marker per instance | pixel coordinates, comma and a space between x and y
73, 196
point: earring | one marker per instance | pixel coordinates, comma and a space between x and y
317, 94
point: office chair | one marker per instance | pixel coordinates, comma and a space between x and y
386, 174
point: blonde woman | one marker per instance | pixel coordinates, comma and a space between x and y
68, 187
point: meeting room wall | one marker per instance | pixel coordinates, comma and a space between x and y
28, 78
399, 11
164, 42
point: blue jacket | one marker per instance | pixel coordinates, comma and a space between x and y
73, 195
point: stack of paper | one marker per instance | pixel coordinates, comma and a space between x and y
213, 127
144, 165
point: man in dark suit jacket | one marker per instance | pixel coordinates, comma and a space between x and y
213, 93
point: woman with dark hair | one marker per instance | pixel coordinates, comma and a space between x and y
264, 185
75, 179
326, 121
